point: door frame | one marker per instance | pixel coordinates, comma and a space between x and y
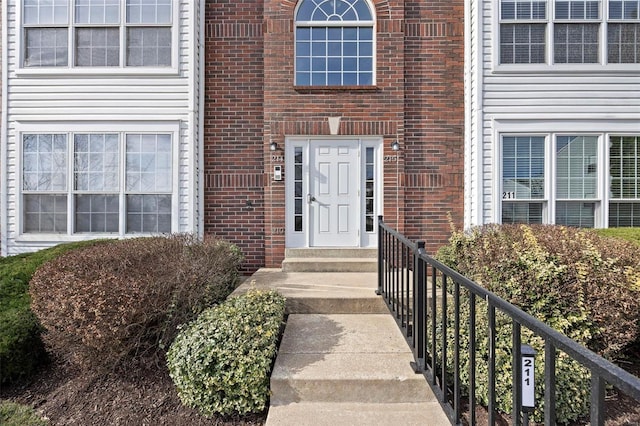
301, 239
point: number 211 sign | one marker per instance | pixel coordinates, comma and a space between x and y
528, 377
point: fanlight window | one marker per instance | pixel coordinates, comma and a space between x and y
334, 43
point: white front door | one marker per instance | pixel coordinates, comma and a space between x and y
334, 184
333, 191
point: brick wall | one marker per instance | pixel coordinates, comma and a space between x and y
251, 101
434, 119
233, 122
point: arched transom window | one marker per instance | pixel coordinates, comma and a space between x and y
334, 43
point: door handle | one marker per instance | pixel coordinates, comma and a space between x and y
310, 198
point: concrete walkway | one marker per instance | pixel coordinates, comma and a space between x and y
342, 359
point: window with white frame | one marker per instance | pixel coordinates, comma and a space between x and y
624, 187
568, 194
576, 180
114, 182
522, 31
523, 180
576, 32
575, 28
623, 32
97, 33
334, 43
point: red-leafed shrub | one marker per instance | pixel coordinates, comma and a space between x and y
121, 303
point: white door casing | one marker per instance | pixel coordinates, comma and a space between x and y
333, 188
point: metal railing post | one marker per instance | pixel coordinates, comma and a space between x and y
419, 299
597, 400
380, 255
549, 383
516, 341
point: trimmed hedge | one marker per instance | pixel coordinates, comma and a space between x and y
221, 362
120, 305
21, 349
584, 285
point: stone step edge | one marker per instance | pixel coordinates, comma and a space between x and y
356, 413
336, 253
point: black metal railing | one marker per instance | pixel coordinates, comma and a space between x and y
421, 292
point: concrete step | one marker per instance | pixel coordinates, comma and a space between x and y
329, 264
345, 358
357, 414
321, 293
330, 260
366, 253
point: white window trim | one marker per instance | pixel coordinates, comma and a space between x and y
497, 176
172, 128
549, 67
600, 178
603, 129
122, 69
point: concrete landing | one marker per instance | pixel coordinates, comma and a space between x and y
321, 292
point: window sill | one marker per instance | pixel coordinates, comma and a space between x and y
97, 71
57, 238
66, 238
333, 89
572, 69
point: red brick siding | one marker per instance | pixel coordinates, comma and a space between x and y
251, 101
434, 119
233, 121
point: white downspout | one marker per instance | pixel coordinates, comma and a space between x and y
479, 110
3, 136
201, 94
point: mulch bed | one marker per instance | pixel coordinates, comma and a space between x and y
67, 396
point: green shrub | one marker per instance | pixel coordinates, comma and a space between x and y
221, 362
21, 349
121, 304
12, 414
572, 380
581, 284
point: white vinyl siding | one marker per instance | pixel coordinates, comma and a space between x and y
135, 99
526, 99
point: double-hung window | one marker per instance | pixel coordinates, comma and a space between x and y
523, 179
576, 180
334, 43
624, 188
97, 33
575, 29
576, 186
623, 32
85, 182
576, 32
522, 32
